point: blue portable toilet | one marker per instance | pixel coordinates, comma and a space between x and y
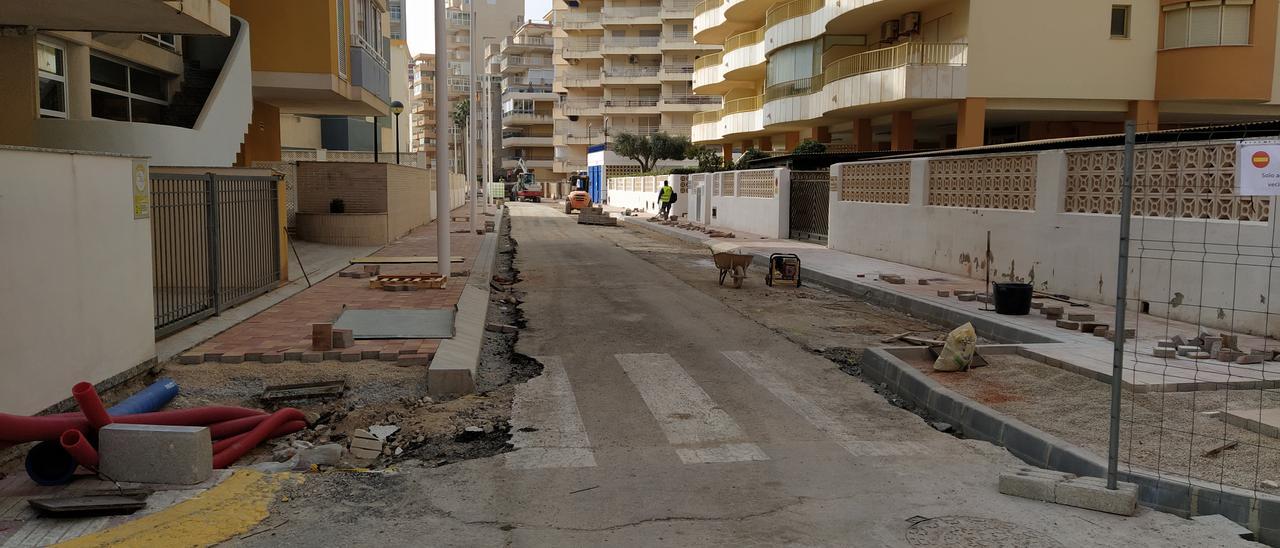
596, 172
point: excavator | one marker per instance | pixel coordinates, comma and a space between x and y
526, 188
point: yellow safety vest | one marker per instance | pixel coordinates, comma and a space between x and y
667, 191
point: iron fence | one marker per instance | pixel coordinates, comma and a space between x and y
216, 243
809, 202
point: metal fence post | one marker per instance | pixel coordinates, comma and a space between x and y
215, 248
1122, 282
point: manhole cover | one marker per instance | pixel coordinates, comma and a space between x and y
970, 531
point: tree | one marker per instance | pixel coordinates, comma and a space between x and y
708, 160
461, 112
809, 146
748, 156
649, 149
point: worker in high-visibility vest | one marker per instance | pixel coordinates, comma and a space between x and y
666, 197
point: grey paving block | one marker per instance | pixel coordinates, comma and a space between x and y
144, 453
1092, 494
1032, 483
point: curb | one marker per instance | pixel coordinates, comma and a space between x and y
453, 368
1180, 496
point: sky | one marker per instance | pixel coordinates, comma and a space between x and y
421, 26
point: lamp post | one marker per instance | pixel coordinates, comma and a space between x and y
376, 146
396, 108
442, 153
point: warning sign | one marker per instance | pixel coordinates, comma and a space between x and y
1257, 172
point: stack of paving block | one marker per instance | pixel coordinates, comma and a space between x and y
596, 216
1222, 347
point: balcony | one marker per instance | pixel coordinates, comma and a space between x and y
573, 20
581, 106
527, 43
633, 15
677, 73
370, 72
526, 87
744, 56
632, 75
709, 23
521, 118
520, 63
678, 9
190, 17
796, 21
684, 42
580, 48
458, 20
579, 78
631, 105
632, 44
708, 71
689, 103
578, 134
516, 139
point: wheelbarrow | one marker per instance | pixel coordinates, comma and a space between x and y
732, 264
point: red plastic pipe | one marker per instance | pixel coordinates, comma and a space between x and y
18, 428
76, 444
225, 429
234, 451
91, 405
284, 430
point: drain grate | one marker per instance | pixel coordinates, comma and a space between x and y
973, 531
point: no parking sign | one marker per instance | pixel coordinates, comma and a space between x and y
1258, 168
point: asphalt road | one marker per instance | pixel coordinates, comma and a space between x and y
664, 417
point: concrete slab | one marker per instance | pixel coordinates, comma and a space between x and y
1262, 421
1092, 493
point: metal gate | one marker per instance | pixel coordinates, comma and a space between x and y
215, 244
810, 198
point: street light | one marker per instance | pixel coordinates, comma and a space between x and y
396, 108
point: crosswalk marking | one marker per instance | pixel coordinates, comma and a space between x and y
700, 430
546, 427
760, 368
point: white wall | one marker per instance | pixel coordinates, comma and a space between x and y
1073, 253
646, 200
768, 217
77, 283
213, 141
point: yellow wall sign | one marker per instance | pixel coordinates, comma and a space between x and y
141, 190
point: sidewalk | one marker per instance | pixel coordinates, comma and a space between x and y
1073, 350
283, 331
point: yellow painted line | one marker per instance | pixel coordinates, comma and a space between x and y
228, 509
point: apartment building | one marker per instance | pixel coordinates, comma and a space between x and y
396, 13
522, 63
494, 20
627, 65
142, 80
922, 74
422, 106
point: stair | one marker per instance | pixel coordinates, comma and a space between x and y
197, 84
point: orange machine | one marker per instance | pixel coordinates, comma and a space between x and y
578, 199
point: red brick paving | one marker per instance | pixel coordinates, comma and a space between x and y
283, 332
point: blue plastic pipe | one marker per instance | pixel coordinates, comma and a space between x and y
49, 464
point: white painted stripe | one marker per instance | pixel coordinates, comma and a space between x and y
760, 367
701, 431
546, 407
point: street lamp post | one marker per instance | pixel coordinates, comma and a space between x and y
396, 108
442, 153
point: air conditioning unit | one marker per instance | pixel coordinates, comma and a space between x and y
889, 30
910, 23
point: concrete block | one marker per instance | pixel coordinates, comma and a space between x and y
322, 336
1249, 359
388, 356
343, 338
1230, 341
922, 281
1202, 355
1054, 315
1051, 309
1166, 343
144, 453
253, 356
1164, 352
372, 269
1092, 494
1187, 349
332, 355
960, 292
1178, 341
1228, 355
1088, 327
984, 298
312, 357
407, 360
232, 358
1032, 483
273, 358
944, 293
1101, 331
966, 297
191, 359
293, 355
1080, 316
1037, 304
350, 356
370, 355
1067, 324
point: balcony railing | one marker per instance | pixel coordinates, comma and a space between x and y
709, 60
535, 41
689, 99
580, 78
679, 6
632, 12
580, 104
632, 42
680, 37
745, 104
706, 6
572, 20
582, 44
527, 88
912, 53
707, 117
631, 102
458, 20
527, 116
794, 88
369, 72
631, 72
677, 69
526, 61
790, 10
745, 39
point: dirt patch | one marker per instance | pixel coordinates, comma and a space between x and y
1168, 432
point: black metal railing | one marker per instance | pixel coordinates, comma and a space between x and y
215, 244
809, 202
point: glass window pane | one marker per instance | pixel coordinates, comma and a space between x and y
144, 111
49, 59
52, 96
1120, 21
148, 84
108, 73
1175, 29
109, 105
1205, 25
1235, 25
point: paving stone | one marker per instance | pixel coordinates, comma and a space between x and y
966, 297
273, 358
944, 293
388, 356
1164, 352
1166, 343
312, 357
922, 281
1211, 345
1051, 309
1228, 355
253, 356
1178, 341
1230, 341
960, 292
191, 359
1201, 355
212, 356
350, 356
1037, 304
1249, 359
331, 355
232, 358
371, 269
343, 338
1067, 324
1092, 493
1129, 333
1053, 315
407, 360
144, 453
1187, 349
1101, 330
293, 355
322, 336
1088, 327
984, 298
1080, 316
370, 355
1032, 483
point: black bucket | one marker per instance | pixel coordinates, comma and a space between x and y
1013, 299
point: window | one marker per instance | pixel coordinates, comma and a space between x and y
127, 93
1207, 23
51, 67
366, 25
167, 41
793, 62
1120, 21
